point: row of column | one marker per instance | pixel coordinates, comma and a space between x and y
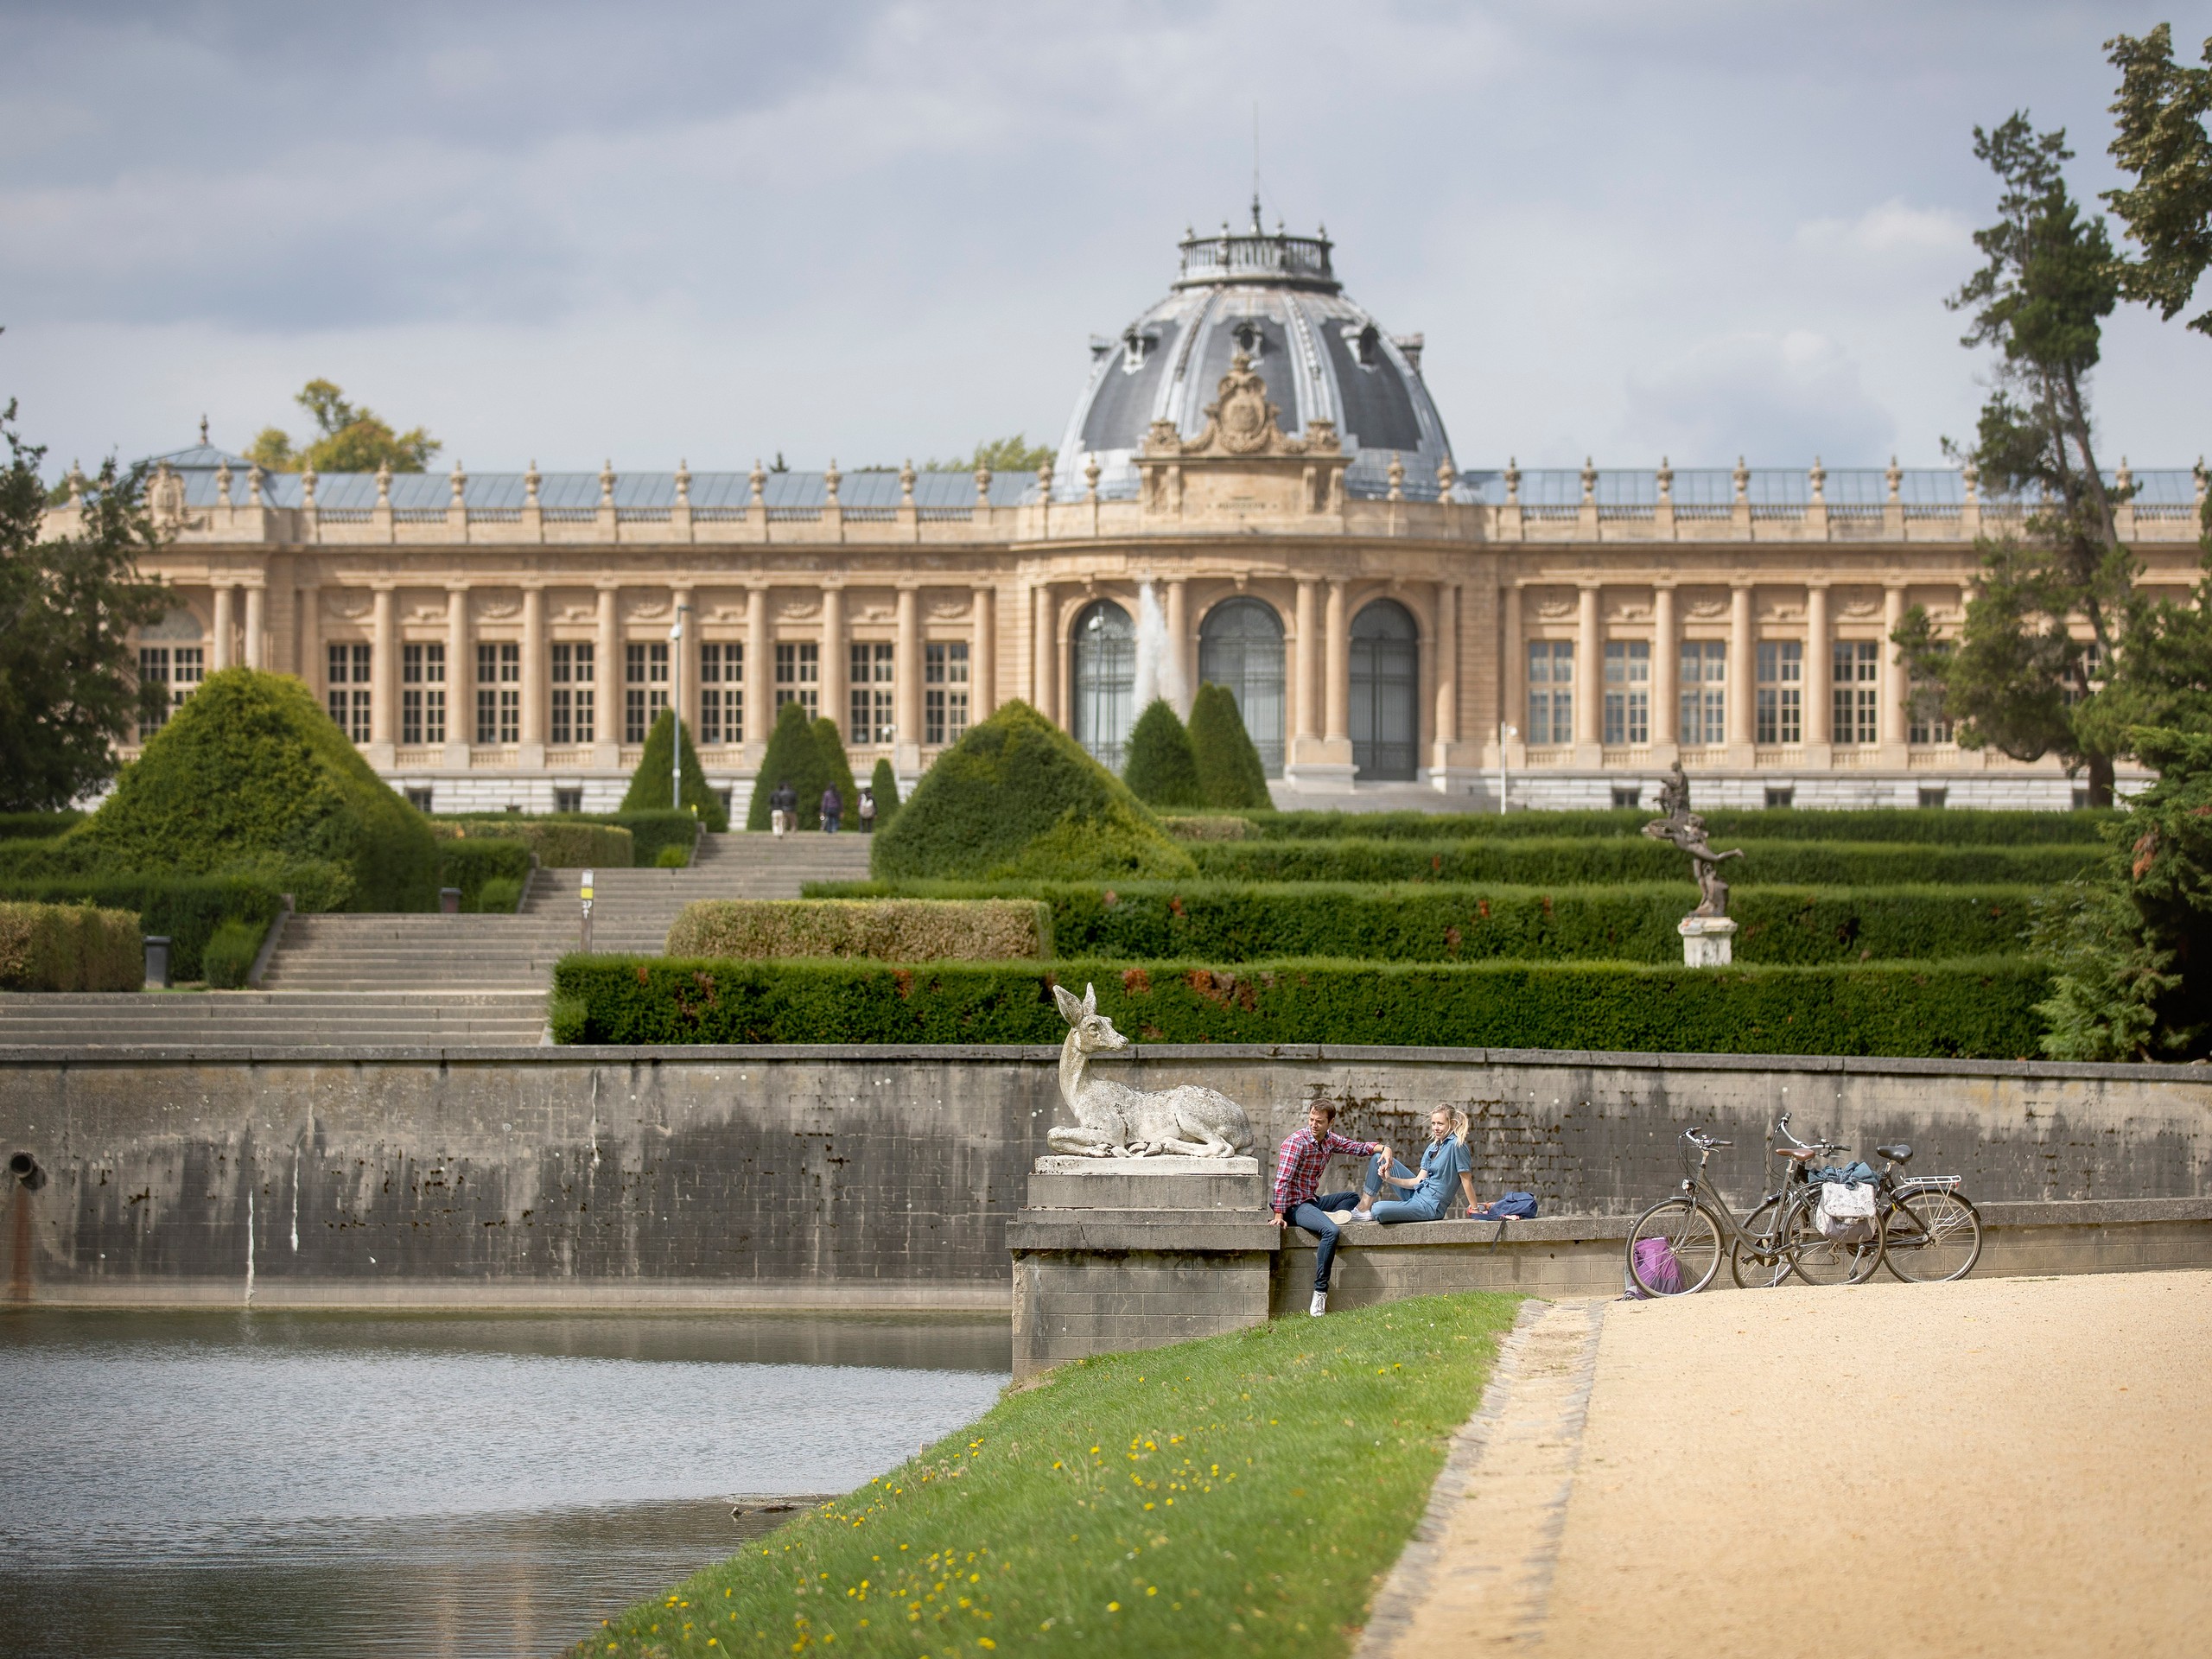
222, 651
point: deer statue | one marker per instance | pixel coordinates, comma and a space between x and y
1114, 1120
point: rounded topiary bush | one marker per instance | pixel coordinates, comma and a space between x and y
833, 771
649, 783
884, 786
1017, 797
1229, 772
1161, 771
229, 956
810, 756
250, 773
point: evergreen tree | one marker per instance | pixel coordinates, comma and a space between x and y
648, 791
790, 759
832, 767
1161, 768
1229, 772
884, 786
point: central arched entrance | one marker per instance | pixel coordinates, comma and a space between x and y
1240, 648
1103, 684
1385, 693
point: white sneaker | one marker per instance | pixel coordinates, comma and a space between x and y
1320, 1304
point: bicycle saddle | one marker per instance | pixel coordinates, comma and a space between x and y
1899, 1153
1798, 1153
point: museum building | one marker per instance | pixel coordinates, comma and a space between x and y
1255, 489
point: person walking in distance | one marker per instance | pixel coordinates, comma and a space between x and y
1299, 1163
867, 810
833, 808
783, 808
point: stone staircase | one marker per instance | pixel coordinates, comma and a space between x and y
430, 980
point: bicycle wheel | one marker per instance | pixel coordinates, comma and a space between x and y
1680, 1230
1756, 1258
1820, 1260
1932, 1237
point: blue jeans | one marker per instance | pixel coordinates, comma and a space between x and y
830, 821
1396, 1210
1318, 1216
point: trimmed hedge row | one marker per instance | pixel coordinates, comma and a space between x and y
1983, 1010
187, 908
1937, 826
1586, 862
1232, 922
560, 843
37, 826
469, 864
69, 948
649, 832
885, 930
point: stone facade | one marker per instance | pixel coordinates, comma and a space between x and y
503, 639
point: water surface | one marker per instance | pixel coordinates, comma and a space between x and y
225, 1483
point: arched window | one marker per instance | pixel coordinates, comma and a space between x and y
1105, 646
1385, 692
1240, 647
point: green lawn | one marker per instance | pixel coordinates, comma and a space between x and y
1239, 1495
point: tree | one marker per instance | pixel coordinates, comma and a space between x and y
69, 687
648, 791
884, 786
1161, 769
1012, 455
1229, 772
2018, 679
2162, 145
810, 756
354, 439
833, 770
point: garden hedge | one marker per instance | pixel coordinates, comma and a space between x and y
69, 948
187, 909
1157, 764
468, 864
1586, 863
1017, 797
1224, 921
1229, 772
1963, 827
649, 832
885, 930
37, 826
1982, 1009
648, 791
561, 843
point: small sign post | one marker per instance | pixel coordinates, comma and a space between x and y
585, 894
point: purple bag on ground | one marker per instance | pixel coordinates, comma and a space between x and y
1656, 1266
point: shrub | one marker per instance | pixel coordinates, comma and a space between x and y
249, 769
1017, 796
1917, 825
1162, 769
650, 833
36, 826
835, 771
1578, 863
1976, 1009
475, 863
887, 930
649, 783
501, 896
790, 758
187, 910
672, 857
229, 956
561, 843
1230, 773
1207, 826
883, 784
69, 948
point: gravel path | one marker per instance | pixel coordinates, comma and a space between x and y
2014, 1467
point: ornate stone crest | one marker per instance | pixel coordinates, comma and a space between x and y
1241, 422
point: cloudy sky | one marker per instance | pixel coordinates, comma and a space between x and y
572, 231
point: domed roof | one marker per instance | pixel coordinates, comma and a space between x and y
1276, 298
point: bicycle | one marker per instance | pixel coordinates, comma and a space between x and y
1932, 1232
1791, 1241
1696, 1226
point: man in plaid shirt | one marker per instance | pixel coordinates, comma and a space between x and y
1299, 1163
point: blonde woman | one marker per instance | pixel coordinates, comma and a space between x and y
1428, 1190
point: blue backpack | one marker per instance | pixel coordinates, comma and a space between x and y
1514, 1206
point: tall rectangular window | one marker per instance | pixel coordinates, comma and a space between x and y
799, 675
1704, 692
868, 694
1926, 722
422, 693
178, 671
1780, 713
1551, 691
945, 692
574, 681
721, 692
1857, 691
499, 692
1628, 691
644, 687
348, 690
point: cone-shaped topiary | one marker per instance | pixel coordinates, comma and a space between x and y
649, 783
1018, 797
250, 773
832, 767
1230, 773
790, 759
884, 786
1161, 769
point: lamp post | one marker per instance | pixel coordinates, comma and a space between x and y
584, 894
1505, 734
675, 710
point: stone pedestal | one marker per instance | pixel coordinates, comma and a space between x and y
1112, 1254
1707, 941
